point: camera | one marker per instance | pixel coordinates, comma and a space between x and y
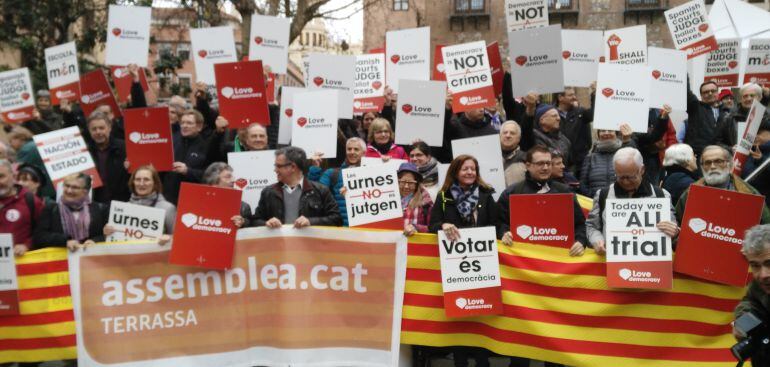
756, 342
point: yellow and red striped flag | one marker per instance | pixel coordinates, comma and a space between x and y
586, 204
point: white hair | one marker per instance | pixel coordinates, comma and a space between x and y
757, 239
628, 154
512, 123
678, 154
757, 89
358, 140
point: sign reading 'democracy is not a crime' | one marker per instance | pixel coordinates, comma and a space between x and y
241, 92
148, 138
722, 64
622, 97
581, 50
372, 194
524, 14
17, 103
211, 46
470, 273
487, 151
135, 222
315, 122
252, 172
270, 41
407, 55
536, 60
334, 72
546, 219
668, 78
468, 76
420, 112
369, 88
627, 46
64, 152
128, 35
287, 113
639, 255
9, 286
758, 62
690, 30
61, 64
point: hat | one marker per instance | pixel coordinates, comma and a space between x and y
410, 167
725, 93
541, 110
43, 93
33, 171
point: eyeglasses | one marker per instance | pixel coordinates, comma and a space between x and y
73, 187
407, 183
708, 91
715, 162
542, 164
282, 165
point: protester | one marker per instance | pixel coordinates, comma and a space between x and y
576, 124
726, 99
46, 119
33, 179
109, 156
760, 153
189, 155
380, 138
469, 124
146, 187
19, 210
6, 152
18, 136
421, 156
756, 249
546, 122
220, 174
702, 117
681, 170
653, 142
598, 171
727, 128
560, 174
225, 140
332, 177
513, 156
415, 199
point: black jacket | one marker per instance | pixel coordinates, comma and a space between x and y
678, 179
193, 153
50, 233
576, 126
316, 204
115, 178
701, 128
445, 211
727, 127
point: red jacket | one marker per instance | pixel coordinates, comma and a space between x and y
15, 216
394, 152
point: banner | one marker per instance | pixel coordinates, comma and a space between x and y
133, 308
334, 72
9, 287
536, 60
407, 56
496, 67
61, 64
689, 27
287, 113
468, 76
746, 141
581, 50
710, 242
553, 227
148, 138
470, 273
758, 62
241, 93
64, 152
420, 113
369, 87
204, 233
95, 91
627, 46
439, 69
487, 151
128, 35
211, 46
252, 172
525, 14
315, 122
722, 64
668, 78
372, 194
17, 103
135, 222
270, 41
123, 81
623, 97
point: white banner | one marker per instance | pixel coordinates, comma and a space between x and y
476, 247
407, 56
61, 63
668, 78
536, 60
486, 149
524, 14
627, 46
128, 35
468, 76
758, 62
334, 72
287, 113
372, 194
314, 126
252, 172
622, 97
135, 222
211, 46
722, 65
270, 41
420, 112
64, 152
581, 50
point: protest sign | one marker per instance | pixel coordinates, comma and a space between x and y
252, 172
148, 138
581, 50
241, 92
525, 14
123, 80
372, 195
758, 62
420, 112
623, 97
690, 30
536, 60
61, 64
546, 219
270, 41
95, 91
211, 46
710, 241
305, 67
314, 126
270, 87
204, 233
64, 152
668, 78
135, 222
496, 67
128, 35
627, 46
369, 87
287, 113
722, 66
377, 161
638, 253
470, 273
468, 76
407, 56
334, 72
439, 72
9, 286
487, 151
746, 141
17, 103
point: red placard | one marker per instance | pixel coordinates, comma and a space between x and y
204, 234
19, 115
70, 92
9, 302
438, 64
270, 89
546, 219
712, 233
467, 303
95, 91
495, 67
148, 138
378, 50
123, 80
241, 92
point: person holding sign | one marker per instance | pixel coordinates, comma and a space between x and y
756, 249
421, 156
19, 209
576, 123
727, 133
415, 200
380, 137
109, 154
332, 177
190, 154
597, 171
545, 123
759, 154
220, 174
702, 117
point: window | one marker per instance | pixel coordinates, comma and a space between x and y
183, 51
559, 4
164, 48
643, 3
400, 4
469, 5
185, 81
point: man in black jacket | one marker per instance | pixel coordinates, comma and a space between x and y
702, 117
727, 128
190, 155
576, 125
109, 154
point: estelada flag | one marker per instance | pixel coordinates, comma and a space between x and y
95, 91
148, 138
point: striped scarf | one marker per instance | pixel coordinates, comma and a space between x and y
465, 201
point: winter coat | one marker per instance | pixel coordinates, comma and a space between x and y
701, 128
736, 184
576, 126
192, 152
316, 204
115, 178
677, 180
49, 231
514, 166
16, 218
762, 181
598, 171
394, 152
421, 213
445, 211
332, 178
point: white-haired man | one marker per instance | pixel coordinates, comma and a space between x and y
681, 170
756, 249
727, 128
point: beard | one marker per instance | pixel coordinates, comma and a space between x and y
716, 178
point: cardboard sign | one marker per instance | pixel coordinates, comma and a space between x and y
270, 41
722, 65
690, 30
668, 78
758, 62
468, 76
710, 241
369, 87
148, 138
545, 219
496, 67
526, 14
204, 233
128, 35
252, 172
95, 91
638, 253
123, 80
17, 102
9, 286
287, 113
536, 60
581, 51
623, 93
627, 46
61, 64
439, 69
407, 55
420, 113
372, 196
334, 72
487, 151
470, 273
241, 93
746, 141
64, 152
211, 46
135, 222
314, 126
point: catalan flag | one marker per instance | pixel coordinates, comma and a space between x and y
585, 203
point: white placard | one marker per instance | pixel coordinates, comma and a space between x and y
524, 14
64, 152
135, 222
468, 76
668, 78
622, 96
393, 163
61, 63
477, 246
486, 149
287, 112
314, 124
211, 46
8, 280
624, 214
270, 41
334, 72
689, 27
128, 35
252, 172
369, 81
420, 113
372, 195
16, 93
581, 50
407, 56
758, 62
722, 65
627, 46
536, 60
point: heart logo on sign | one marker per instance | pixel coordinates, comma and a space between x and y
86, 99
189, 219
116, 31
227, 92
241, 183
461, 303
624, 273
703, 27
524, 231
25, 96
395, 59
318, 81
407, 108
601, 58
732, 64
608, 92
566, 54
258, 40
440, 67
202, 53
376, 85
697, 225
118, 73
301, 121
656, 74
135, 137
521, 60
289, 112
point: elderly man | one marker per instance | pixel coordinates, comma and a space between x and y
629, 184
681, 170
332, 177
190, 155
513, 156
727, 128
251, 138
19, 209
702, 116
109, 154
576, 124
546, 124
717, 166
756, 249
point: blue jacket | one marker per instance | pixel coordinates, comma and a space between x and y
325, 178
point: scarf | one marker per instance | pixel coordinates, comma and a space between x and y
405, 201
429, 172
465, 201
383, 149
608, 146
149, 200
77, 229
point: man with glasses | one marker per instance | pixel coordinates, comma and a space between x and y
727, 133
717, 166
702, 117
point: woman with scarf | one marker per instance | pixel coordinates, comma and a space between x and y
598, 171
420, 155
415, 200
75, 221
380, 137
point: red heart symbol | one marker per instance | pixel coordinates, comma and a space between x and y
258, 40
289, 112
25, 96
601, 58
407, 108
703, 27
116, 31
732, 64
318, 81
608, 92
566, 54
376, 85
241, 183
521, 60
202, 53
395, 59
656, 74
301, 121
